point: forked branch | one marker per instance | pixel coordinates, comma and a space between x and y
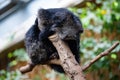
67, 60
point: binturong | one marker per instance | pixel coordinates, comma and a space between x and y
50, 21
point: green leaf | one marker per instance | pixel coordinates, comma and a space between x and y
114, 56
10, 55
14, 62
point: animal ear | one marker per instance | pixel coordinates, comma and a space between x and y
43, 14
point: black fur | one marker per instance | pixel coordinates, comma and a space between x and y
59, 20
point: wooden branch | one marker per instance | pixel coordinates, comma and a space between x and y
30, 66
68, 62
105, 53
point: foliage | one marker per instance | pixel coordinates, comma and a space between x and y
19, 54
101, 22
13, 75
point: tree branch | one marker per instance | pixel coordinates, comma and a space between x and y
30, 66
105, 53
68, 62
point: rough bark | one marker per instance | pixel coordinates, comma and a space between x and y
68, 62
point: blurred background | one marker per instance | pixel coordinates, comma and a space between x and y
101, 22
